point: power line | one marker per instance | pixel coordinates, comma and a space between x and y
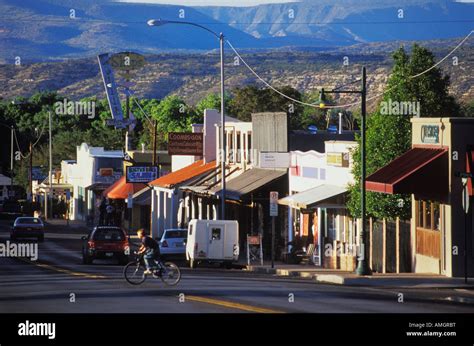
103, 21
348, 105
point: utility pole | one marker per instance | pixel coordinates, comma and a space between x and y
50, 166
31, 172
155, 124
12, 133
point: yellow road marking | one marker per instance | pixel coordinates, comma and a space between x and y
233, 305
65, 271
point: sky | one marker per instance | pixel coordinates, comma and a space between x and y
212, 2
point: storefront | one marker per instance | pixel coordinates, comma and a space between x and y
441, 231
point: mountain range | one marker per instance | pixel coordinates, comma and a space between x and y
48, 30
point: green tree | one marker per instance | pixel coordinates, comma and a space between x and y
211, 101
250, 99
389, 135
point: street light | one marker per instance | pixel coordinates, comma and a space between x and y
161, 22
363, 267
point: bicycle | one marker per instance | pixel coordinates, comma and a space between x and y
168, 272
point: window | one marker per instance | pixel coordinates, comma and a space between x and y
175, 234
216, 234
322, 173
428, 215
249, 137
191, 229
109, 235
238, 147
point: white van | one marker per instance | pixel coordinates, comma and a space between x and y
212, 241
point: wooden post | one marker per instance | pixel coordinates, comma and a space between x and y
384, 246
371, 247
397, 245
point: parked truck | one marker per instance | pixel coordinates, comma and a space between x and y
212, 241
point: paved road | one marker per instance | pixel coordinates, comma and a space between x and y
48, 284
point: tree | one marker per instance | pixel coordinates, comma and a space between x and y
211, 101
389, 135
250, 99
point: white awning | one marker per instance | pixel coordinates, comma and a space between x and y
322, 196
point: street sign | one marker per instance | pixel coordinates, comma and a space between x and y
110, 86
273, 203
141, 174
130, 201
274, 160
185, 143
119, 123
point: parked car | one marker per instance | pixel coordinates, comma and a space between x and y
27, 227
213, 241
106, 242
173, 242
10, 209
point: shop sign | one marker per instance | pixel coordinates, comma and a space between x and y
430, 134
182, 143
337, 159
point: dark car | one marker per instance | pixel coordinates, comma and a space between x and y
10, 209
106, 242
27, 227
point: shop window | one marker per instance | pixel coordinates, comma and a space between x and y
428, 215
322, 173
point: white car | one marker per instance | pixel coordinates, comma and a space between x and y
173, 242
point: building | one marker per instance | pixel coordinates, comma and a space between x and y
94, 170
317, 214
441, 230
5, 187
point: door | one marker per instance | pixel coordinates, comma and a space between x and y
216, 242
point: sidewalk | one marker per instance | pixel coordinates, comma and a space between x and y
76, 226
338, 277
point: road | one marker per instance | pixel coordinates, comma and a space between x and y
58, 282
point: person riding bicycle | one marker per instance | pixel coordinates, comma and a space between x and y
151, 250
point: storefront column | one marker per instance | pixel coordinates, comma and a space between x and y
290, 228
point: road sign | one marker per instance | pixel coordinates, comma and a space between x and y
273, 203
141, 174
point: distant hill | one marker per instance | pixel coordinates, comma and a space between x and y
192, 76
38, 30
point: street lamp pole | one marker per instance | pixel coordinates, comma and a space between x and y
223, 137
363, 267
160, 22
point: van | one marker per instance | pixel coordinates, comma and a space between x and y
212, 241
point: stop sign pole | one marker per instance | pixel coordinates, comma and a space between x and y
273, 214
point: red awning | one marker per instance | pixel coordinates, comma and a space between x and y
121, 189
420, 171
470, 169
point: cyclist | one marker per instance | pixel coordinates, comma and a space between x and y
151, 250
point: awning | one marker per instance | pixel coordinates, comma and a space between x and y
184, 174
121, 189
419, 171
470, 169
247, 182
320, 196
142, 197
